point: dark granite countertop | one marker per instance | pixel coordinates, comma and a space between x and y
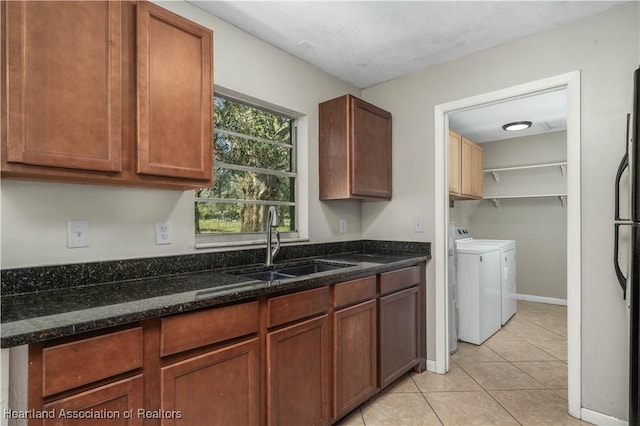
34, 316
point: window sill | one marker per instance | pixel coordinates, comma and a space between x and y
240, 244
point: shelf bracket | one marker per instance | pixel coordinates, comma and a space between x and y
496, 202
563, 169
496, 176
563, 200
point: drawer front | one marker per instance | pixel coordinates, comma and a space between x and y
284, 309
354, 291
397, 280
78, 363
192, 330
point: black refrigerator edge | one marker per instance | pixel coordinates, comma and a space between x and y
631, 283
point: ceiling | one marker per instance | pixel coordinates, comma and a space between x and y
366, 43
546, 111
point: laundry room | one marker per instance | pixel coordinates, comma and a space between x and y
524, 189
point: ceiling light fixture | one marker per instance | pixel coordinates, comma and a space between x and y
516, 125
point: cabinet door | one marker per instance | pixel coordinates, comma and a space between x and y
477, 182
175, 95
298, 374
119, 401
454, 163
355, 377
472, 175
221, 387
399, 339
63, 84
370, 150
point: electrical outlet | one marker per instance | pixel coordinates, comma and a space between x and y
418, 226
163, 233
343, 226
77, 233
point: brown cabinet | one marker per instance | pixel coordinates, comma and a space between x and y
298, 373
308, 357
191, 330
298, 358
175, 95
114, 404
106, 93
77, 378
354, 150
399, 323
71, 365
355, 346
64, 102
466, 179
220, 387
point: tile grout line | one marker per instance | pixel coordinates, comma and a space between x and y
427, 401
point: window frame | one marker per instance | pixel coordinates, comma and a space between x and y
208, 240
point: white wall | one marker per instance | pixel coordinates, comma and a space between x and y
605, 49
34, 215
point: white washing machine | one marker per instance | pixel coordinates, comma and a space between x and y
479, 295
508, 271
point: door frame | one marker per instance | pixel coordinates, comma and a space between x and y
570, 81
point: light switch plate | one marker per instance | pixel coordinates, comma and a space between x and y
343, 226
418, 225
77, 233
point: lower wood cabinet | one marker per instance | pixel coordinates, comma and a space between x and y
117, 402
355, 349
303, 358
298, 374
399, 334
220, 387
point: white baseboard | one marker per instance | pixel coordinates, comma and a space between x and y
601, 419
431, 366
540, 299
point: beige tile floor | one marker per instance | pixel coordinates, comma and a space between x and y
517, 377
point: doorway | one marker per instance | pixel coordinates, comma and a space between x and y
570, 82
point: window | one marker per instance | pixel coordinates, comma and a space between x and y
255, 168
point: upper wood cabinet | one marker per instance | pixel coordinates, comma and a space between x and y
116, 93
466, 179
472, 177
64, 71
174, 95
354, 150
454, 162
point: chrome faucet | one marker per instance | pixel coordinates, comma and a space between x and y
272, 223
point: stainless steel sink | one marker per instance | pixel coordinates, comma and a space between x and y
313, 268
267, 276
296, 271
